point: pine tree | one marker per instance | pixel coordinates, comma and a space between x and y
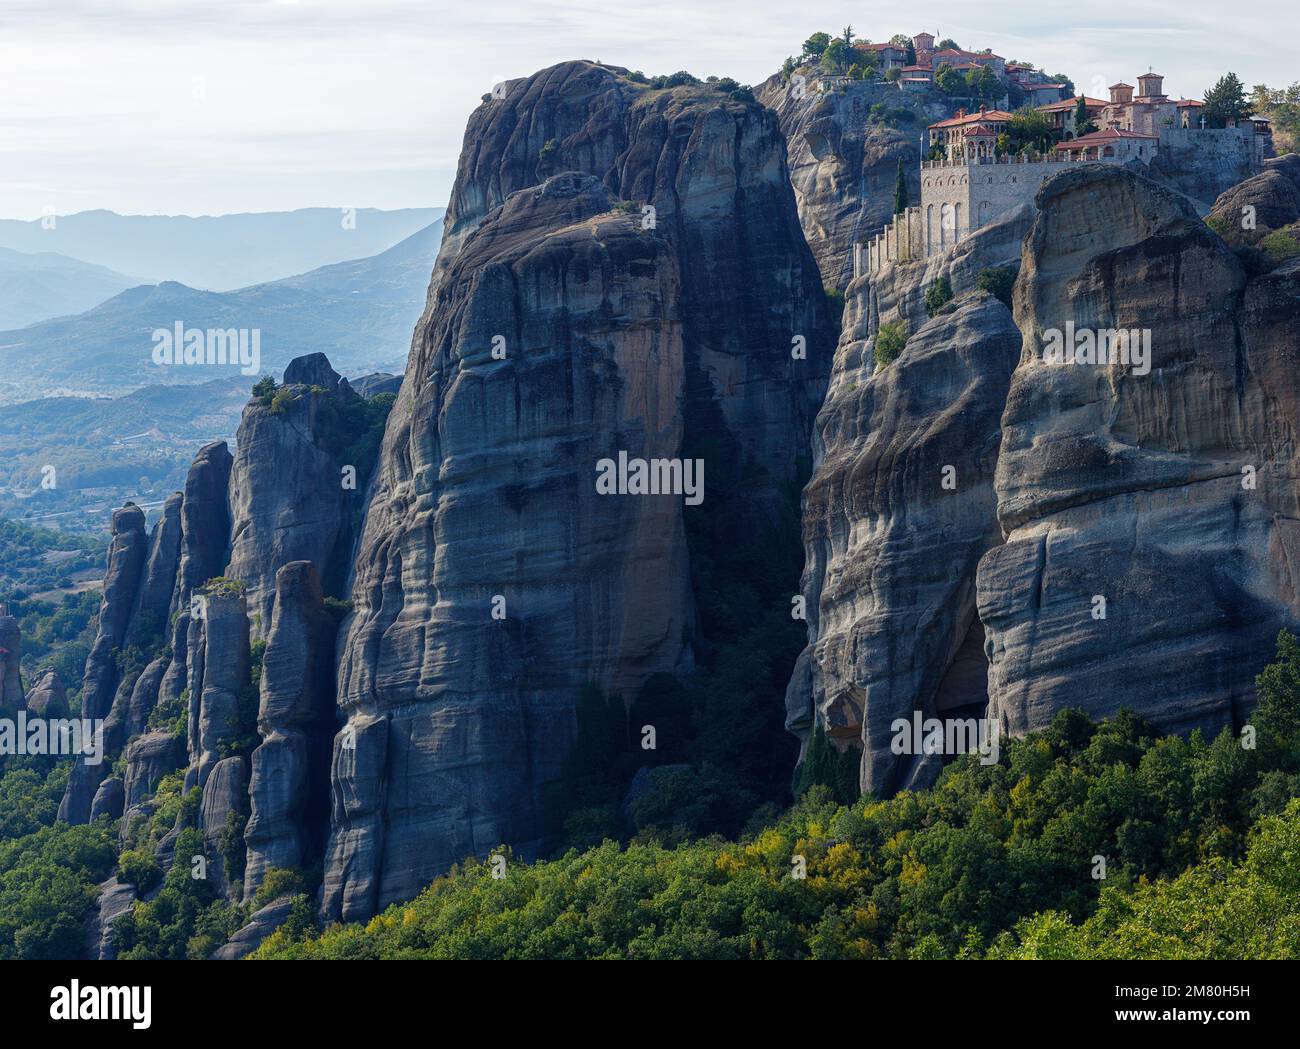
900, 190
1226, 101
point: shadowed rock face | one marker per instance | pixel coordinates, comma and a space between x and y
891, 552
1130, 487
218, 676
654, 341
290, 769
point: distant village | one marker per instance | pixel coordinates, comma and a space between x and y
1131, 126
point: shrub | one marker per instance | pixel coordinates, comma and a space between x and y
139, 869
1280, 246
890, 340
998, 282
938, 295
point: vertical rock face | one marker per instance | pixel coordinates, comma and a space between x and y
844, 163
223, 674
225, 800
205, 522
148, 758
11, 657
890, 551
126, 559
287, 498
1166, 500
289, 786
654, 341
158, 578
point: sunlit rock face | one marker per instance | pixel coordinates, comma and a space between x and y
665, 332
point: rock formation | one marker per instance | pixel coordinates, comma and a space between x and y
288, 500
658, 332
844, 160
11, 657
48, 698
891, 548
205, 522
219, 677
126, 558
289, 786
1164, 502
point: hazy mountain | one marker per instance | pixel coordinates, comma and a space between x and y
36, 287
361, 313
222, 252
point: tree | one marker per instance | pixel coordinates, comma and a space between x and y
1028, 129
838, 57
847, 35
900, 190
815, 45
1083, 124
1226, 101
983, 83
948, 44
910, 58
949, 81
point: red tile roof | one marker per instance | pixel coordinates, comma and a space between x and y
1101, 138
996, 115
957, 52
1189, 102
1070, 103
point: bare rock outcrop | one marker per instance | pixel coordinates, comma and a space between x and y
48, 698
126, 559
205, 522
843, 159
288, 499
225, 803
219, 674
11, 658
896, 518
1150, 517
289, 785
149, 757
115, 899
261, 923
655, 338
1269, 200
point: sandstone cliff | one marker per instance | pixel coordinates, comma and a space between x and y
1165, 500
659, 338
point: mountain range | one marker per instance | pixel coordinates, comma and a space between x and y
360, 312
217, 253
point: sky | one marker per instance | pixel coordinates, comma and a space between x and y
205, 107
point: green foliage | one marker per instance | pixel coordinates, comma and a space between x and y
547, 152
1083, 124
998, 281
139, 868
938, 295
1280, 245
947, 44
1226, 101
1282, 107
994, 859
900, 189
48, 871
815, 45
825, 766
890, 116
949, 80
264, 390
890, 340
1028, 130
835, 300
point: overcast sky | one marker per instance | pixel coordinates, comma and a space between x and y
189, 107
